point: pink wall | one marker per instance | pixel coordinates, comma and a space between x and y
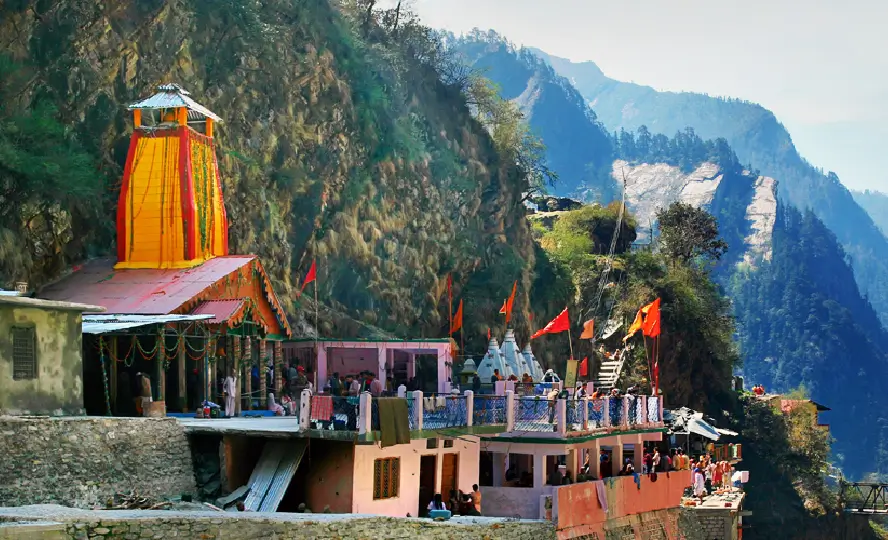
330, 478
407, 500
579, 512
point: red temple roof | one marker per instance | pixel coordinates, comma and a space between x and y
232, 278
223, 311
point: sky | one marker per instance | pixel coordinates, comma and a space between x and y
820, 65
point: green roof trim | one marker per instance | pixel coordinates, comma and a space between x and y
568, 440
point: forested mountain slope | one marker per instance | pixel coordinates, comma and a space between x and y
341, 141
759, 139
876, 205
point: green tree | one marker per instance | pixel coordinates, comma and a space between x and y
688, 233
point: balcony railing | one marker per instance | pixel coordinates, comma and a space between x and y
504, 413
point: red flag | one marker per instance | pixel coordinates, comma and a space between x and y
584, 367
651, 326
457, 319
558, 324
310, 276
488, 333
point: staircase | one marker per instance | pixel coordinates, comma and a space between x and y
608, 374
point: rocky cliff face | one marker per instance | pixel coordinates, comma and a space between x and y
652, 187
335, 145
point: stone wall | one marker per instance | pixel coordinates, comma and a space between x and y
125, 525
718, 524
82, 462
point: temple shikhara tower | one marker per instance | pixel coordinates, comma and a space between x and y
171, 213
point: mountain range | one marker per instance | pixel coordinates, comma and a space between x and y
758, 139
795, 283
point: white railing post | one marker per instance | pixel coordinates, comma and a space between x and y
561, 413
660, 409
510, 411
470, 407
418, 407
644, 410
364, 414
605, 412
585, 404
624, 421
305, 410
402, 391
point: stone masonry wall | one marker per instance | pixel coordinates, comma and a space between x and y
134, 525
82, 462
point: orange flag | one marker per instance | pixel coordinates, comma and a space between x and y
588, 330
511, 302
651, 326
558, 324
310, 276
505, 305
639, 321
457, 319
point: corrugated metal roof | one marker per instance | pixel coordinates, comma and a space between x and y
293, 452
146, 291
104, 324
170, 96
221, 310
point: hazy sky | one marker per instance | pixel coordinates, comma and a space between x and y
820, 65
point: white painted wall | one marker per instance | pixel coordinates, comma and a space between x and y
407, 501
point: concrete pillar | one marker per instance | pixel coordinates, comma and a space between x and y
321, 372
585, 405
617, 456
561, 415
605, 412
411, 365
381, 361
595, 459
364, 413
445, 357
417, 409
539, 470
402, 391
305, 410
638, 458
643, 417
510, 411
624, 420
572, 464
499, 469
470, 407
236, 355
510, 385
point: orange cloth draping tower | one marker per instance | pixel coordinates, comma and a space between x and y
170, 213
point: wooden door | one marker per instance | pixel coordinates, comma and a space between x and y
427, 466
449, 474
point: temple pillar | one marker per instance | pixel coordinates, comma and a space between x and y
278, 368
595, 459
321, 371
159, 359
381, 360
263, 372
235, 368
182, 375
411, 365
638, 456
572, 464
248, 369
617, 456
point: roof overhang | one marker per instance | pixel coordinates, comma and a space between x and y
106, 324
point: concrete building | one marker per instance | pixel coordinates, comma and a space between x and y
41, 366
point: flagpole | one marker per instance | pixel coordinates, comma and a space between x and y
570, 342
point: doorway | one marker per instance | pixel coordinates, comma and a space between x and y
427, 465
449, 474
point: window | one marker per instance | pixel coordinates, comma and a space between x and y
24, 353
386, 478
431, 444
448, 443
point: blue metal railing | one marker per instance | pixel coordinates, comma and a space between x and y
488, 410
534, 414
445, 412
653, 410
